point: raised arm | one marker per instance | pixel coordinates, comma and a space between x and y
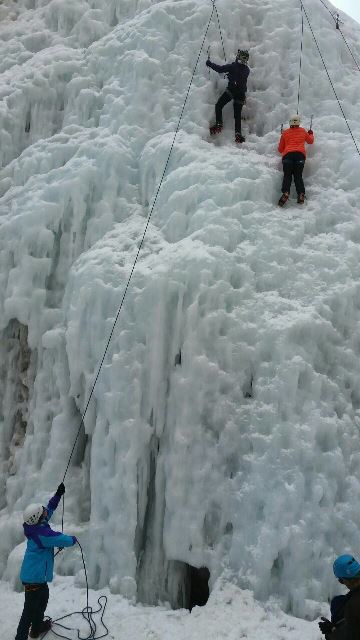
54, 501
220, 68
281, 143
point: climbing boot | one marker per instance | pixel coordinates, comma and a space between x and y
216, 128
44, 627
301, 198
239, 138
283, 200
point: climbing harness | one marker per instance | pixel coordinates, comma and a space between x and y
329, 78
301, 54
336, 17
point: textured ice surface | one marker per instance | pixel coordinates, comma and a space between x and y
224, 428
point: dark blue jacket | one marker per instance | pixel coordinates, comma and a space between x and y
38, 563
237, 72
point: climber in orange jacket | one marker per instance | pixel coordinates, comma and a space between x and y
292, 148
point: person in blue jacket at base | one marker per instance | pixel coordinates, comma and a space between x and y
37, 568
238, 73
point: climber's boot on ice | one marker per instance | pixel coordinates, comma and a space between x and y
283, 200
216, 128
44, 627
301, 198
239, 139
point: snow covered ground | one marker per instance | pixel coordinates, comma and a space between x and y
224, 428
230, 614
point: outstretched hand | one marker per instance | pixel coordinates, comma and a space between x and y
310, 131
325, 626
60, 490
208, 62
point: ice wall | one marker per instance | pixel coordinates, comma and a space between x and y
224, 428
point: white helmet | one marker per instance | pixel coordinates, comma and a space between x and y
33, 513
294, 121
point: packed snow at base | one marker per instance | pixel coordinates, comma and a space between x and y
223, 431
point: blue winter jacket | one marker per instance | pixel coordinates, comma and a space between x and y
237, 72
38, 563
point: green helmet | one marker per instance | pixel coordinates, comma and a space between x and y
242, 55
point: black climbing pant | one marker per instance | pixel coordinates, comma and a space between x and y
293, 165
36, 599
227, 96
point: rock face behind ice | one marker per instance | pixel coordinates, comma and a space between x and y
224, 427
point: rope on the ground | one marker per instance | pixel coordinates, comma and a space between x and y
141, 242
329, 78
87, 613
301, 54
218, 20
342, 35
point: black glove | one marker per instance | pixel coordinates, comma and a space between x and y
310, 131
325, 626
60, 490
208, 63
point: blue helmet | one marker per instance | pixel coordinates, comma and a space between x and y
346, 567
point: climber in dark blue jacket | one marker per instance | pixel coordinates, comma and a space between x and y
38, 565
238, 73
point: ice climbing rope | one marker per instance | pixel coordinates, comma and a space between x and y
337, 23
141, 241
301, 55
218, 21
87, 613
329, 78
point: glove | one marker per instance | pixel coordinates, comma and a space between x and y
75, 541
325, 626
60, 490
208, 63
310, 131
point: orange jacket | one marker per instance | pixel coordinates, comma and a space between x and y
294, 139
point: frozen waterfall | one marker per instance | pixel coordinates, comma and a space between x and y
224, 428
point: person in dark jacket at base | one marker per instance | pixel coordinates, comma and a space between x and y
238, 73
345, 610
38, 565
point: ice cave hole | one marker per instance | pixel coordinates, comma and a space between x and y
198, 586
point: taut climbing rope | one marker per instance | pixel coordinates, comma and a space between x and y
218, 20
142, 240
337, 22
329, 78
301, 54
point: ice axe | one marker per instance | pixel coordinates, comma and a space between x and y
338, 22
